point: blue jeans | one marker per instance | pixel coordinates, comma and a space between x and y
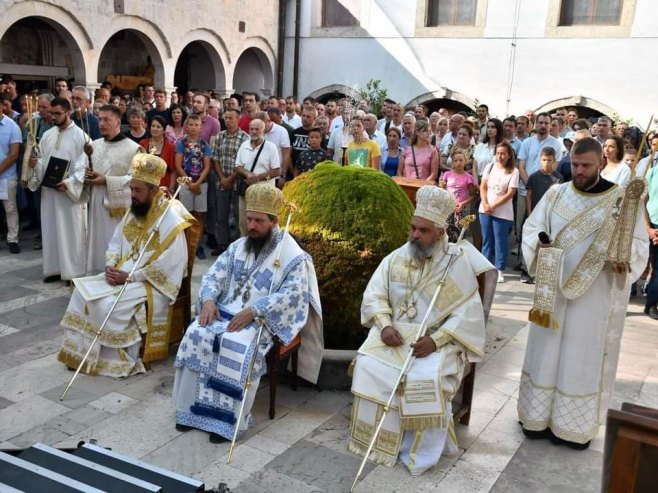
652, 287
494, 239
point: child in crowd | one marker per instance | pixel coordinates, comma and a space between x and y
193, 160
315, 154
540, 181
462, 186
538, 184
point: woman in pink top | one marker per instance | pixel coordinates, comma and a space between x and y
174, 131
420, 160
500, 181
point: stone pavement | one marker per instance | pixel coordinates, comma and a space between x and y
305, 448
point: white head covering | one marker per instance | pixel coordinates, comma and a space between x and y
434, 204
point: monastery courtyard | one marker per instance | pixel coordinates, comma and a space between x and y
305, 448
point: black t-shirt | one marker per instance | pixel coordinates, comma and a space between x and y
299, 143
539, 183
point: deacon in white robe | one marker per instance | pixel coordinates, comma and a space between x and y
63, 212
419, 427
598, 246
144, 309
263, 278
110, 185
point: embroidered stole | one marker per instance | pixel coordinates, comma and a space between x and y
602, 217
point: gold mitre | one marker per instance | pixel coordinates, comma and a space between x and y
148, 168
434, 204
262, 197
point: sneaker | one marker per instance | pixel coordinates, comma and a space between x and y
501, 277
200, 253
14, 248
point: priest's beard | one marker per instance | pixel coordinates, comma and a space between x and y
140, 209
419, 251
256, 243
584, 183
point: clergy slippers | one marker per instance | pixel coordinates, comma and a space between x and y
216, 438
53, 278
548, 434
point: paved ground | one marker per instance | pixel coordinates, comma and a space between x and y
305, 448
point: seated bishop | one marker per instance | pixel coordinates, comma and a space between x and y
143, 310
263, 279
419, 427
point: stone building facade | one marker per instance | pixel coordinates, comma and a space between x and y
204, 44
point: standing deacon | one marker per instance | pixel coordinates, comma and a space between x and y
144, 307
109, 178
419, 427
264, 278
594, 244
63, 218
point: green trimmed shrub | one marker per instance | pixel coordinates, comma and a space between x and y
350, 218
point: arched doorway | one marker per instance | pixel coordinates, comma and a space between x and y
453, 101
36, 50
587, 108
335, 92
130, 58
253, 72
450, 104
199, 67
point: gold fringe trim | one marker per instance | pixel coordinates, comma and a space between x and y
421, 423
618, 267
543, 319
378, 457
73, 361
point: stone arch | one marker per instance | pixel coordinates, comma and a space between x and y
63, 23
579, 102
444, 95
156, 44
254, 71
334, 91
210, 51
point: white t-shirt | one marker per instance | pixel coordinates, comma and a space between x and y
278, 136
294, 121
267, 161
336, 123
498, 183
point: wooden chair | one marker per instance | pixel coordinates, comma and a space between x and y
181, 315
631, 450
277, 353
462, 403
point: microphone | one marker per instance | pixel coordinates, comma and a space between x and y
544, 238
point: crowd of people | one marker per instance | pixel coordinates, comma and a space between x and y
231, 156
485, 162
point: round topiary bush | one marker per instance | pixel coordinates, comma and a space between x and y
349, 219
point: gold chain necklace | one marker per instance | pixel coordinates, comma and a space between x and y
408, 306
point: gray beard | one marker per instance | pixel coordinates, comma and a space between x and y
420, 253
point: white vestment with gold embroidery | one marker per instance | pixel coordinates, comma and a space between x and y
109, 202
569, 368
144, 307
419, 427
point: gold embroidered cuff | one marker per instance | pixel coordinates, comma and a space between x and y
440, 339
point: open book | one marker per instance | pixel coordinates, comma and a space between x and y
95, 287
